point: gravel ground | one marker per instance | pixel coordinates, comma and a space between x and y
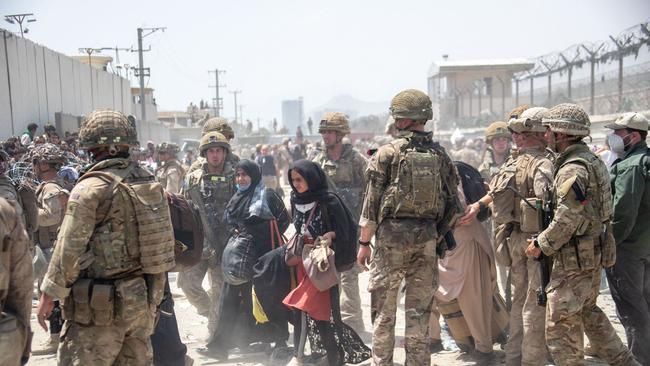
193, 329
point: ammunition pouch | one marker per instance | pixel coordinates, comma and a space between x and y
578, 254
502, 244
529, 216
103, 304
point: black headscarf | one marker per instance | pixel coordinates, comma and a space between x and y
316, 182
237, 208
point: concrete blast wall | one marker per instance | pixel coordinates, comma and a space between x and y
36, 83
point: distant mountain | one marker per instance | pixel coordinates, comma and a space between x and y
351, 106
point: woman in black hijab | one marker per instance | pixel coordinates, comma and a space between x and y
249, 214
318, 313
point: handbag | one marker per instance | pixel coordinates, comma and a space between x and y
238, 260
318, 260
295, 246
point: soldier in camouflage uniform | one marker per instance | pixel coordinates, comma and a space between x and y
20, 193
16, 287
51, 199
344, 167
210, 188
528, 171
114, 246
498, 140
216, 124
411, 203
170, 172
580, 242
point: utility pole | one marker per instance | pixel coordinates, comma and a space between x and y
235, 92
20, 19
241, 113
142, 70
90, 51
217, 86
117, 56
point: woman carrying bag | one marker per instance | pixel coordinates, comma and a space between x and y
250, 214
325, 229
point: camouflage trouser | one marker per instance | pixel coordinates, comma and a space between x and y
206, 304
393, 261
117, 344
350, 301
570, 310
526, 344
12, 343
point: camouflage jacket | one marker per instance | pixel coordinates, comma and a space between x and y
198, 163
51, 199
382, 172
170, 175
16, 282
582, 199
489, 168
211, 193
94, 235
347, 176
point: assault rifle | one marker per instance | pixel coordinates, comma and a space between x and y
544, 216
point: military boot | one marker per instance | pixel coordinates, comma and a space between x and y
48, 347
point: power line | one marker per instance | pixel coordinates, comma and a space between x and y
217, 101
235, 92
142, 69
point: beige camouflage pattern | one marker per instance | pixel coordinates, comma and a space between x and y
526, 345
334, 121
412, 104
567, 118
82, 251
488, 167
466, 155
170, 175
405, 249
211, 193
103, 128
51, 199
16, 285
218, 124
347, 176
572, 240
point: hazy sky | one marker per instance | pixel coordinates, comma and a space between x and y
281, 49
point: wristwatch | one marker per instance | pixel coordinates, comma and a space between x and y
364, 243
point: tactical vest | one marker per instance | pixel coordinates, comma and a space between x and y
599, 205
136, 235
211, 193
516, 175
46, 235
415, 189
341, 175
592, 243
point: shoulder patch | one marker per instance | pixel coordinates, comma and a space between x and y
565, 187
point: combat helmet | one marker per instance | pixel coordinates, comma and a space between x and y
529, 120
169, 148
213, 139
48, 153
334, 121
412, 104
107, 128
496, 130
517, 111
218, 124
567, 118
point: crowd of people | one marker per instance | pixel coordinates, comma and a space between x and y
506, 238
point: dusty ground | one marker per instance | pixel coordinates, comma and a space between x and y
193, 330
